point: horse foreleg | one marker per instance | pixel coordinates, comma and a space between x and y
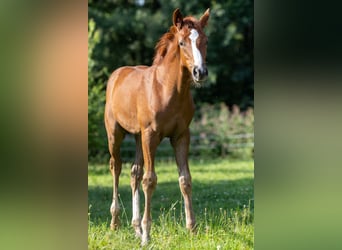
136, 176
150, 142
181, 148
185, 187
115, 168
114, 140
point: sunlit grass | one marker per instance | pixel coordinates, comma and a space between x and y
223, 203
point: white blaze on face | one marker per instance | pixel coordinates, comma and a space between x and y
195, 52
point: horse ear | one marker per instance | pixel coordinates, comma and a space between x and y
204, 19
177, 19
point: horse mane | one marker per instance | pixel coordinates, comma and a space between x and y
163, 45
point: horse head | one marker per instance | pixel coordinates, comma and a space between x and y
192, 43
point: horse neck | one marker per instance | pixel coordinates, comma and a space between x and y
174, 77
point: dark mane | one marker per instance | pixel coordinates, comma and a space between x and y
163, 44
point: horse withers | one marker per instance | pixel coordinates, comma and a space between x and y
152, 103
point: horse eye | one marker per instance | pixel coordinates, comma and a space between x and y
181, 43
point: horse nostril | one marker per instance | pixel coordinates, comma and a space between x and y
200, 73
196, 72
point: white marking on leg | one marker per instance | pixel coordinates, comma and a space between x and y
136, 210
195, 52
136, 213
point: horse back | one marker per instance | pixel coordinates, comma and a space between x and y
124, 88
119, 77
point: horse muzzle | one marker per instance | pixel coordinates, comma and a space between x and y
200, 74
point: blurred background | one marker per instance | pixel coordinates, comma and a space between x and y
126, 32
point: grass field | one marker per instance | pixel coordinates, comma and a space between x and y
223, 200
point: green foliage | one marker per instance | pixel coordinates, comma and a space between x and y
222, 200
223, 132
96, 99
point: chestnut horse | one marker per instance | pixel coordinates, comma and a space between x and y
152, 103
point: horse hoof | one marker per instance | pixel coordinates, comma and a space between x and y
144, 241
192, 228
114, 227
138, 234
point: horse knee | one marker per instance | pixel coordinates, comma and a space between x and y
149, 181
136, 175
185, 184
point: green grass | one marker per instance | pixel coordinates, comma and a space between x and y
223, 200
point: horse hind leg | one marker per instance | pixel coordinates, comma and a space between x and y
115, 164
136, 177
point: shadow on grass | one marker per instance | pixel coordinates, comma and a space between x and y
212, 197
